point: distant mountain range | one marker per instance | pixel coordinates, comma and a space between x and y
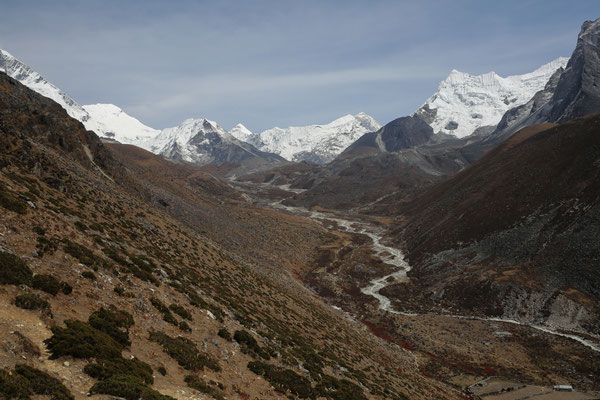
463, 104
201, 141
316, 143
209, 142
384, 168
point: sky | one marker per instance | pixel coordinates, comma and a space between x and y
278, 62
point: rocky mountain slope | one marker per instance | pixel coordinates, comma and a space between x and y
577, 93
401, 133
516, 231
314, 143
535, 111
464, 103
572, 92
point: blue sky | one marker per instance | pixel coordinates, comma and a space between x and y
280, 63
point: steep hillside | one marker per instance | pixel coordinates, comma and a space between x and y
577, 93
110, 295
522, 223
570, 93
535, 111
217, 210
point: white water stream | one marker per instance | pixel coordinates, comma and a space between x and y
395, 257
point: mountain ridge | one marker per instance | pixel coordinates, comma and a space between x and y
319, 143
465, 102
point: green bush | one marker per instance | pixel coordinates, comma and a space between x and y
10, 202
78, 339
185, 352
162, 370
128, 387
164, 310
30, 301
141, 267
45, 245
80, 252
196, 383
248, 343
13, 270
170, 319
66, 288
224, 333
46, 283
283, 379
243, 337
13, 386
113, 322
104, 369
143, 262
81, 226
89, 275
310, 360
115, 256
159, 305
337, 389
99, 339
196, 300
43, 384
182, 312
185, 327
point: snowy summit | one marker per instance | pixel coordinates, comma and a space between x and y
316, 143
109, 121
34, 81
465, 102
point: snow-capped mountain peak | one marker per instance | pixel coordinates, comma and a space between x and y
176, 142
188, 129
24, 74
200, 140
106, 120
240, 132
109, 121
317, 143
465, 102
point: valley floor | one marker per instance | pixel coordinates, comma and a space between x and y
356, 264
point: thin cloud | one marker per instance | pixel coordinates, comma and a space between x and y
273, 62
